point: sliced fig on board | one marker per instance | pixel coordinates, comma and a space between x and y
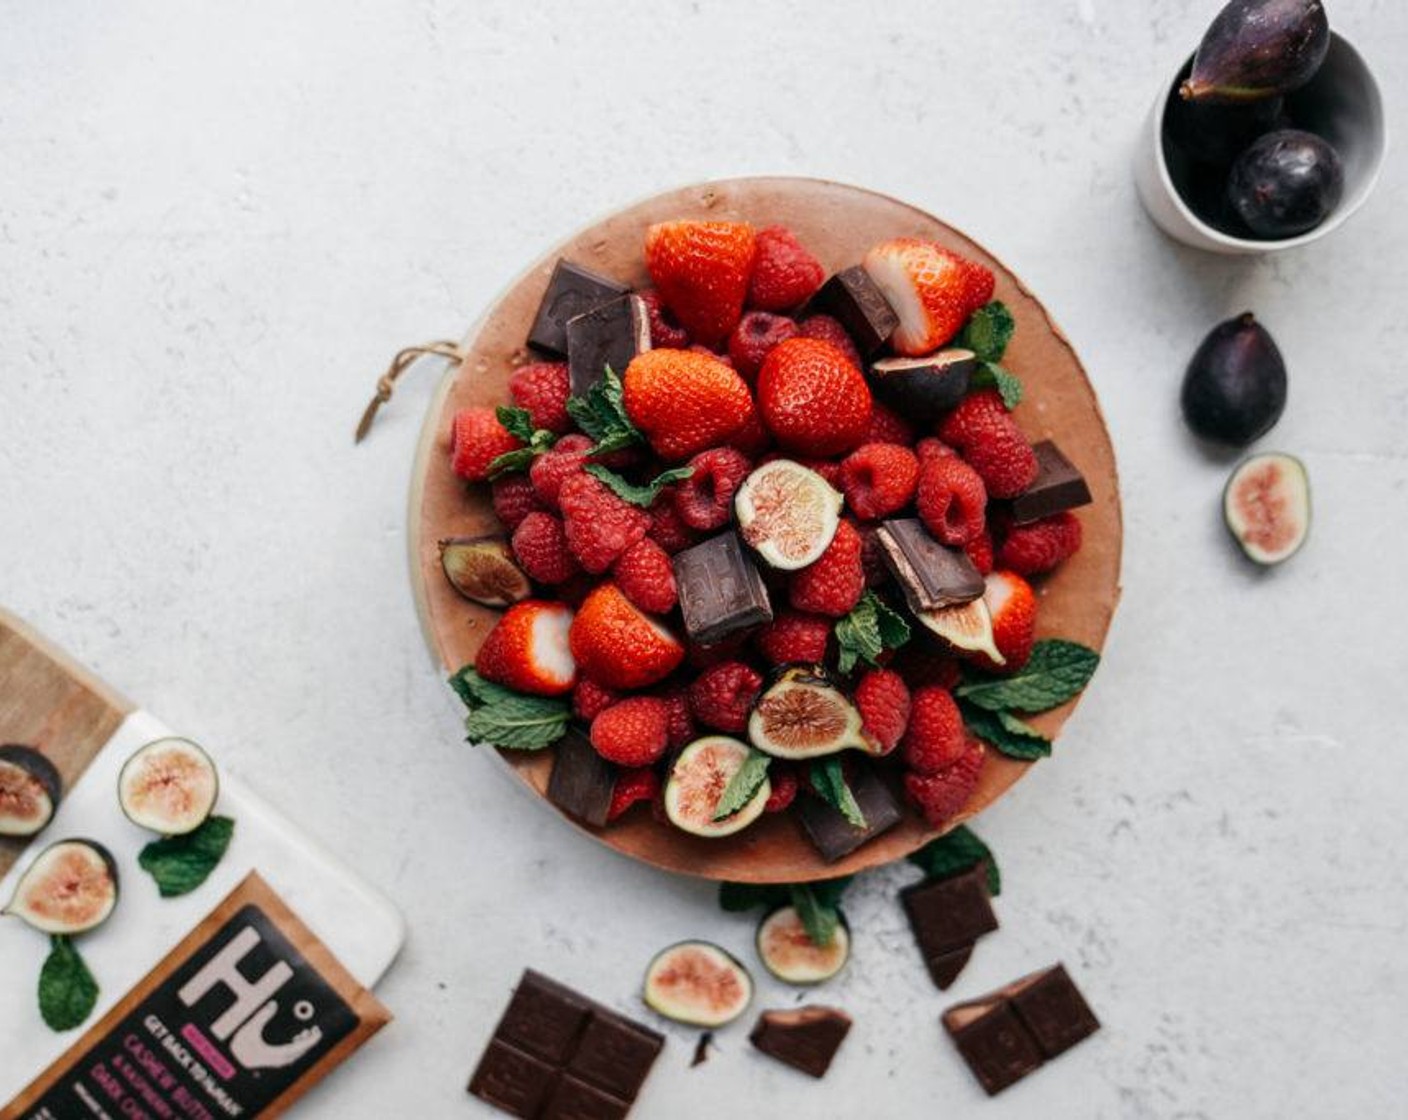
966, 627
1267, 506
697, 781
803, 714
792, 956
483, 570
168, 786
70, 887
696, 982
30, 789
787, 513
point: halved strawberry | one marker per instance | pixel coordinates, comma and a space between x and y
1012, 604
528, 650
619, 646
931, 289
702, 270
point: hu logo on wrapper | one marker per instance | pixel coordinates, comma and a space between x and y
238, 1020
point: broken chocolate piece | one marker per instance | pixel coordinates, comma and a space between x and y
610, 334
1058, 487
720, 589
556, 1053
571, 290
805, 1038
581, 781
1006, 1034
833, 835
931, 575
947, 916
853, 298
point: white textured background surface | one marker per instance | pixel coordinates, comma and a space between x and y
216, 223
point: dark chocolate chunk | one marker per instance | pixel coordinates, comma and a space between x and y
571, 290
805, 1038
853, 298
931, 575
1006, 1034
951, 913
581, 780
944, 968
1058, 486
720, 589
555, 1053
610, 334
833, 835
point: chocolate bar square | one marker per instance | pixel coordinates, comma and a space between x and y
515, 1082
853, 298
571, 290
544, 1018
997, 1048
610, 334
1055, 1012
615, 1054
720, 589
948, 914
805, 1038
931, 575
1057, 488
581, 781
576, 1100
835, 836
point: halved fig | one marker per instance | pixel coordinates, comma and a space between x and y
697, 780
70, 887
696, 982
793, 957
924, 388
168, 786
1267, 506
967, 627
30, 788
802, 714
483, 570
787, 513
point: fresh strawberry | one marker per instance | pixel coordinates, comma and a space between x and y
722, 697
645, 576
927, 285
528, 649
631, 733
1012, 604
832, 584
888, 426
940, 797
665, 329
878, 479
638, 783
618, 645
984, 432
827, 329
1041, 545
514, 498
599, 525
783, 779
702, 270
685, 402
981, 283
951, 500
476, 440
936, 737
885, 705
590, 699
704, 500
552, 468
757, 333
785, 275
812, 398
543, 389
540, 545
794, 636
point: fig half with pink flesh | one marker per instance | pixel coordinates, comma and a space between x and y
30, 789
789, 953
168, 786
483, 570
787, 513
802, 714
697, 983
1267, 507
697, 782
70, 887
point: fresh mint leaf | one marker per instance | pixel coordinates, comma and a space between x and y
601, 414
1000, 729
829, 891
737, 897
641, 496
517, 422
180, 864
475, 691
508, 719
819, 918
988, 331
829, 781
67, 991
870, 628
957, 851
743, 785
990, 375
1057, 671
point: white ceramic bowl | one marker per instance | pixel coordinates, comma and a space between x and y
1341, 103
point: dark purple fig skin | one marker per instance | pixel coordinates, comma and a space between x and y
1235, 387
1212, 133
1259, 48
1286, 183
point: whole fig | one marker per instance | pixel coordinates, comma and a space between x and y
1259, 48
1286, 183
1235, 386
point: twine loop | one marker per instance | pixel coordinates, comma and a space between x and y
403, 361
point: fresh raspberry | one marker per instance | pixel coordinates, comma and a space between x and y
723, 696
757, 333
701, 270
879, 478
685, 402
552, 468
922, 664
833, 584
666, 528
540, 544
528, 649
730, 648
980, 551
783, 779
476, 440
543, 389
785, 275
812, 398
600, 526
936, 737
826, 329
872, 557
794, 636
514, 499
639, 783
590, 699
646, 576
618, 645
941, 796
1038, 547
680, 728
931, 447
753, 438
884, 703
1012, 605
984, 431
665, 330
951, 500
888, 426
631, 733
704, 500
